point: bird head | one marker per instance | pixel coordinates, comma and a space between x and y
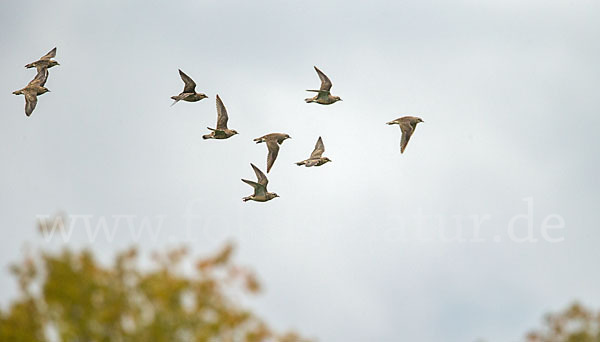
52, 63
337, 98
234, 132
326, 160
202, 96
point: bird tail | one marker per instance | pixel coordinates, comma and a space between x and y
300, 163
30, 65
309, 100
207, 136
176, 98
17, 92
258, 140
246, 199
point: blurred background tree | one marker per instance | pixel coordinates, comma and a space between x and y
69, 296
576, 324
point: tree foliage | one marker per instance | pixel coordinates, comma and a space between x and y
69, 296
576, 324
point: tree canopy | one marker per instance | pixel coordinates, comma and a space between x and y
70, 296
575, 324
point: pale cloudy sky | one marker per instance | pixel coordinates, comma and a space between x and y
353, 250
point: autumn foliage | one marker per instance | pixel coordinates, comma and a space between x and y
70, 296
576, 324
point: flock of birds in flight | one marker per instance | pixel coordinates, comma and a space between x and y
407, 124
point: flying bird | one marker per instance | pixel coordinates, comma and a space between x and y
189, 93
273, 141
315, 158
222, 132
45, 61
34, 89
260, 187
407, 124
324, 96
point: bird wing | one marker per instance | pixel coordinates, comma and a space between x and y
49, 55
259, 189
319, 149
222, 117
273, 151
41, 77
325, 81
407, 131
260, 176
190, 85
41, 69
30, 102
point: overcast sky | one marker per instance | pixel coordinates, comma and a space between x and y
355, 250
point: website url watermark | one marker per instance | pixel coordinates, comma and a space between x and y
524, 227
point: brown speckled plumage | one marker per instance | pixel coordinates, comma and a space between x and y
33, 90
273, 141
324, 96
316, 158
221, 132
45, 61
407, 124
189, 93
260, 187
